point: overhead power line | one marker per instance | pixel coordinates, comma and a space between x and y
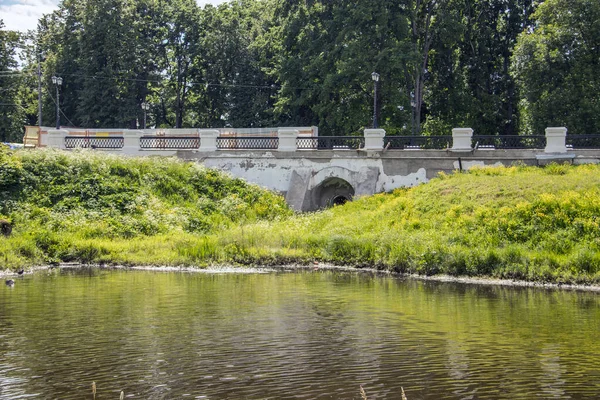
12, 105
158, 81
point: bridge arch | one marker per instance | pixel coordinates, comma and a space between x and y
331, 192
332, 186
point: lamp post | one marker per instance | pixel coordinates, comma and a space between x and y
39, 75
57, 80
145, 107
413, 115
375, 77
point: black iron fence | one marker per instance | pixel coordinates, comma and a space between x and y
417, 142
247, 143
94, 142
330, 143
591, 141
509, 142
169, 142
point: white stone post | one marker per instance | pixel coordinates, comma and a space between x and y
56, 138
374, 139
208, 139
131, 141
287, 139
461, 139
556, 140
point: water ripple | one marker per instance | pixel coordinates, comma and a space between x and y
303, 336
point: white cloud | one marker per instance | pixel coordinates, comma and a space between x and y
22, 15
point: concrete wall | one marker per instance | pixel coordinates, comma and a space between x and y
313, 179
301, 175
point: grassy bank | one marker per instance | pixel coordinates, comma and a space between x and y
519, 223
72, 206
527, 223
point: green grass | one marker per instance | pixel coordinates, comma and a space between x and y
92, 207
530, 223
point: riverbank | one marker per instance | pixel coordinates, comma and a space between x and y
316, 268
519, 223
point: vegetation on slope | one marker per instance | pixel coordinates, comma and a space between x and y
63, 205
520, 222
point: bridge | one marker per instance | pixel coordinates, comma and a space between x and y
314, 172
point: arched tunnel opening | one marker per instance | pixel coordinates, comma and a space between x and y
332, 192
339, 200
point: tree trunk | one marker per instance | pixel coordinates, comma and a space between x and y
422, 39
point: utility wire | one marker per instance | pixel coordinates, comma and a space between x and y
13, 105
158, 81
17, 72
96, 77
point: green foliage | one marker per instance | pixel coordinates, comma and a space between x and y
13, 93
556, 66
329, 50
10, 170
500, 67
56, 199
471, 85
514, 223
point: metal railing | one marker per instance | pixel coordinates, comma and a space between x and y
92, 142
169, 142
247, 143
418, 142
330, 143
509, 142
182, 142
591, 141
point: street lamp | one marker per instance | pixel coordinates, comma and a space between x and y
57, 80
375, 77
145, 107
413, 104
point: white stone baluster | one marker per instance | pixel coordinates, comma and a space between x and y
556, 140
461, 139
56, 138
208, 139
287, 139
374, 139
131, 141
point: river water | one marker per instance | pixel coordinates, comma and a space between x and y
295, 335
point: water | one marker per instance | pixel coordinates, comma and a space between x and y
306, 335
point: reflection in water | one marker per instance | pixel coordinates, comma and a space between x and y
551, 382
292, 335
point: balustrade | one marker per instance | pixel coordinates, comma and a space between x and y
554, 141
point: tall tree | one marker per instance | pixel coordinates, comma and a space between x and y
58, 43
556, 65
470, 81
102, 49
108, 47
178, 55
236, 63
330, 50
426, 18
12, 111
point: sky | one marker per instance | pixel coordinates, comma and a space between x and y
21, 15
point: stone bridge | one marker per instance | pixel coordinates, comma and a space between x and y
329, 171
